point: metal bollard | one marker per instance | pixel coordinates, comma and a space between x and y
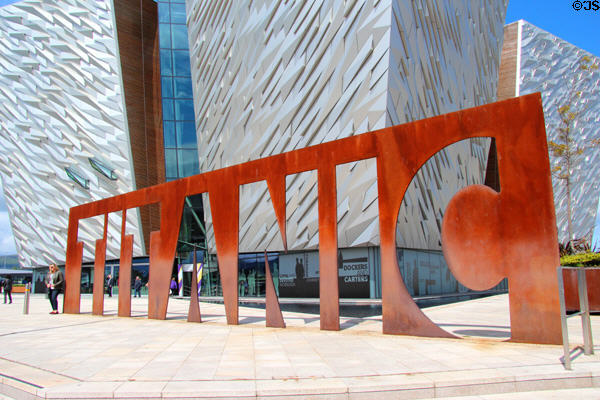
26, 299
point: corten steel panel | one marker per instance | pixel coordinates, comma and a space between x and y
276, 184
488, 235
163, 245
125, 276
224, 201
99, 265
194, 310
71, 303
274, 318
512, 233
328, 245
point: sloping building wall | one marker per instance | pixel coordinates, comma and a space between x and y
537, 61
61, 103
270, 77
445, 57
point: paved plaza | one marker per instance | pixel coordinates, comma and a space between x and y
85, 356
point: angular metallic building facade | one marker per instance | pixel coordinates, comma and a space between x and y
271, 77
268, 77
534, 60
72, 115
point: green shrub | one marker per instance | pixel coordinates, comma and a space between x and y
581, 260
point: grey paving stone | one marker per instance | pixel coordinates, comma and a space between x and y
86, 356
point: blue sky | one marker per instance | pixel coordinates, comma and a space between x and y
5, 2
558, 17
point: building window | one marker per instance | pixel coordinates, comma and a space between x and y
78, 177
103, 168
179, 127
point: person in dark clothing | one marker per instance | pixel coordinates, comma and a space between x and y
55, 282
109, 285
174, 287
7, 284
137, 287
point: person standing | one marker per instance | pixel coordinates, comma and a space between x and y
55, 283
137, 287
109, 285
174, 287
7, 284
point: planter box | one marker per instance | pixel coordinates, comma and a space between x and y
18, 289
571, 294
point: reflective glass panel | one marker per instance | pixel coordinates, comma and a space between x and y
164, 34
178, 13
188, 162
163, 12
179, 36
183, 87
169, 134
168, 109
171, 163
166, 68
167, 86
186, 134
181, 62
184, 110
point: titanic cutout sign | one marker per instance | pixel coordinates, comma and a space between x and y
486, 235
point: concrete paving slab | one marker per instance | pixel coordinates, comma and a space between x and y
140, 390
86, 356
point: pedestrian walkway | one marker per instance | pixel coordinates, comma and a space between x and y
65, 356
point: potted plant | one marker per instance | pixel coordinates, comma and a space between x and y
581, 260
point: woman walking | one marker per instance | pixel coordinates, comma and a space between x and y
55, 283
7, 284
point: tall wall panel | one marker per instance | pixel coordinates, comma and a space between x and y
61, 103
270, 77
549, 65
137, 31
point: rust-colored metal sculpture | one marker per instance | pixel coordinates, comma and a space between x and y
486, 235
125, 271
273, 310
99, 260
